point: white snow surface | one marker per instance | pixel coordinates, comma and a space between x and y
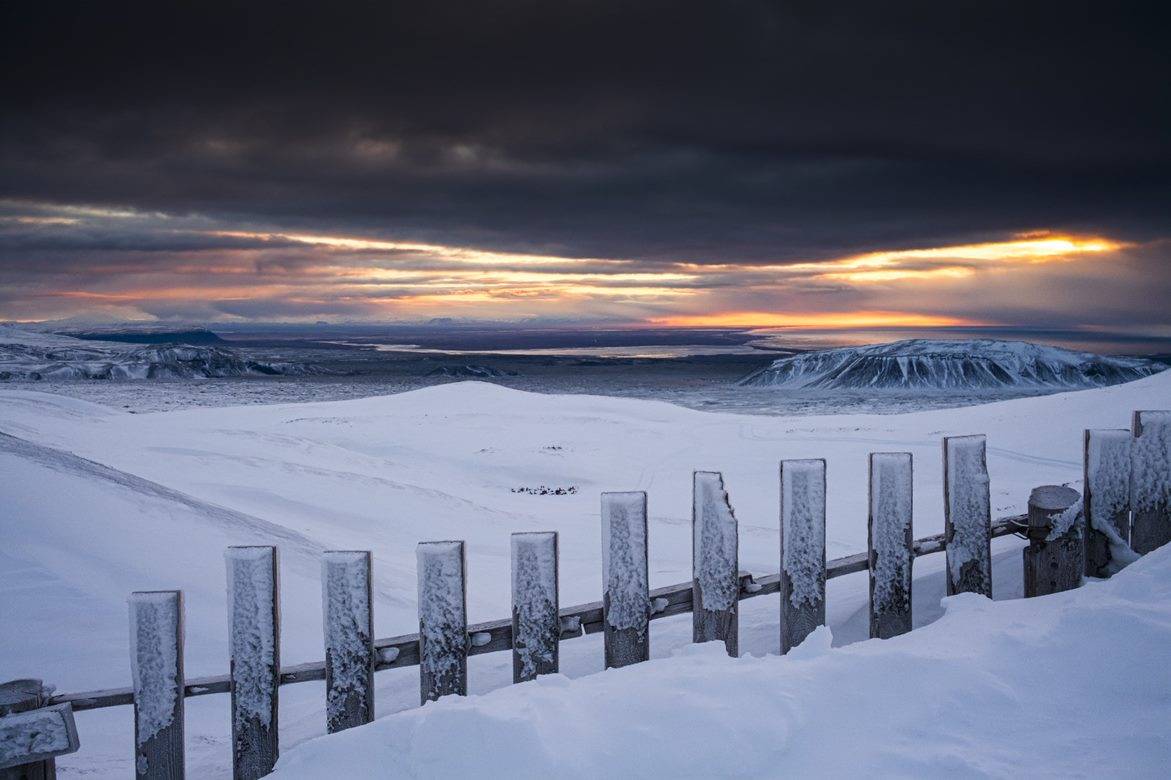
153, 662
99, 502
716, 543
891, 505
803, 529
942, 365
948, 700
624, 558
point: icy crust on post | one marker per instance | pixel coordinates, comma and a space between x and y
624, 573
153, 664
803, 529
1065, 522
250, 610
1108, 475
1151, 462
534, 597
32, 733
715, 543
969, 503
345, 609
442, 616
891, 488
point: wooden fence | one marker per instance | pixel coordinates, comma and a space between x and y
1127, 503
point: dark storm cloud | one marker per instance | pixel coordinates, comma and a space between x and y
716, 131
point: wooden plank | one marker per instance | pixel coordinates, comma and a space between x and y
1055, 558
536, 622
254, 649
1106, 498
890, 543
967, 515
348, 614
625, 582
156, 664
802, 575
443, 620
715, 566
1151, 481
32, 735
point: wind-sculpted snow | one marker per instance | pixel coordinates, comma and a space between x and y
947, 365
154, 664
715, 539
624, 565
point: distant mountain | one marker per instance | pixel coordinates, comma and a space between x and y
193, 336
983, 364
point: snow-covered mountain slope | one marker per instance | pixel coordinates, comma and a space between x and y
140, 501
945, 700
951, 365
31, 355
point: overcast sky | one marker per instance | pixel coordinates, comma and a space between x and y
821, 164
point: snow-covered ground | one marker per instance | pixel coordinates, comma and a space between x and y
99, 502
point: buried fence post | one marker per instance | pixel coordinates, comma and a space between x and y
1055, 558
156, 666
536, 624
715, 587
625, 581
1151, 481
255, 652
1106, 481
31, 734
967, 507
802, 576
443, 620
348, 615
890, 543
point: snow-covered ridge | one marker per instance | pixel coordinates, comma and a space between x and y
946, 365
29, 355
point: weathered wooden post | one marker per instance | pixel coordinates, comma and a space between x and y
1151, 481
715, 566
967, 507
1055, 558
156, 667
625, 581
1106, 498
255, 651
443, 620
536, 626
890, 543
31, 734
802, 580
348, 614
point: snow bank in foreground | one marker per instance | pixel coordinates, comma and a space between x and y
1075, 684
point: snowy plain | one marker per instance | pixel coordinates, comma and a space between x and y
99, 502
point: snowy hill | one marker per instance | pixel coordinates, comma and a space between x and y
99, 502
951, 365
30, 355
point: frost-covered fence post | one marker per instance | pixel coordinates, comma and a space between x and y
31, 734
156, 667
802, 577
967, 508
1055, 558
1150, 491
890, 543
625, 582
536, 626
348, 614
1106, 499
715, 566
443, 620
255, 651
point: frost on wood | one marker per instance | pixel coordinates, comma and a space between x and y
890, 524
349, 649
36, 733
1107, 475
252, 631
1151, 480
714, 541
442, 610
624, 559
969, 515
154, 661
1065, 522
534, 603
803, 530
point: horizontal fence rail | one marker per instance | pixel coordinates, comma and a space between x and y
402, 651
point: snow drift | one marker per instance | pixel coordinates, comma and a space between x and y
946, 365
